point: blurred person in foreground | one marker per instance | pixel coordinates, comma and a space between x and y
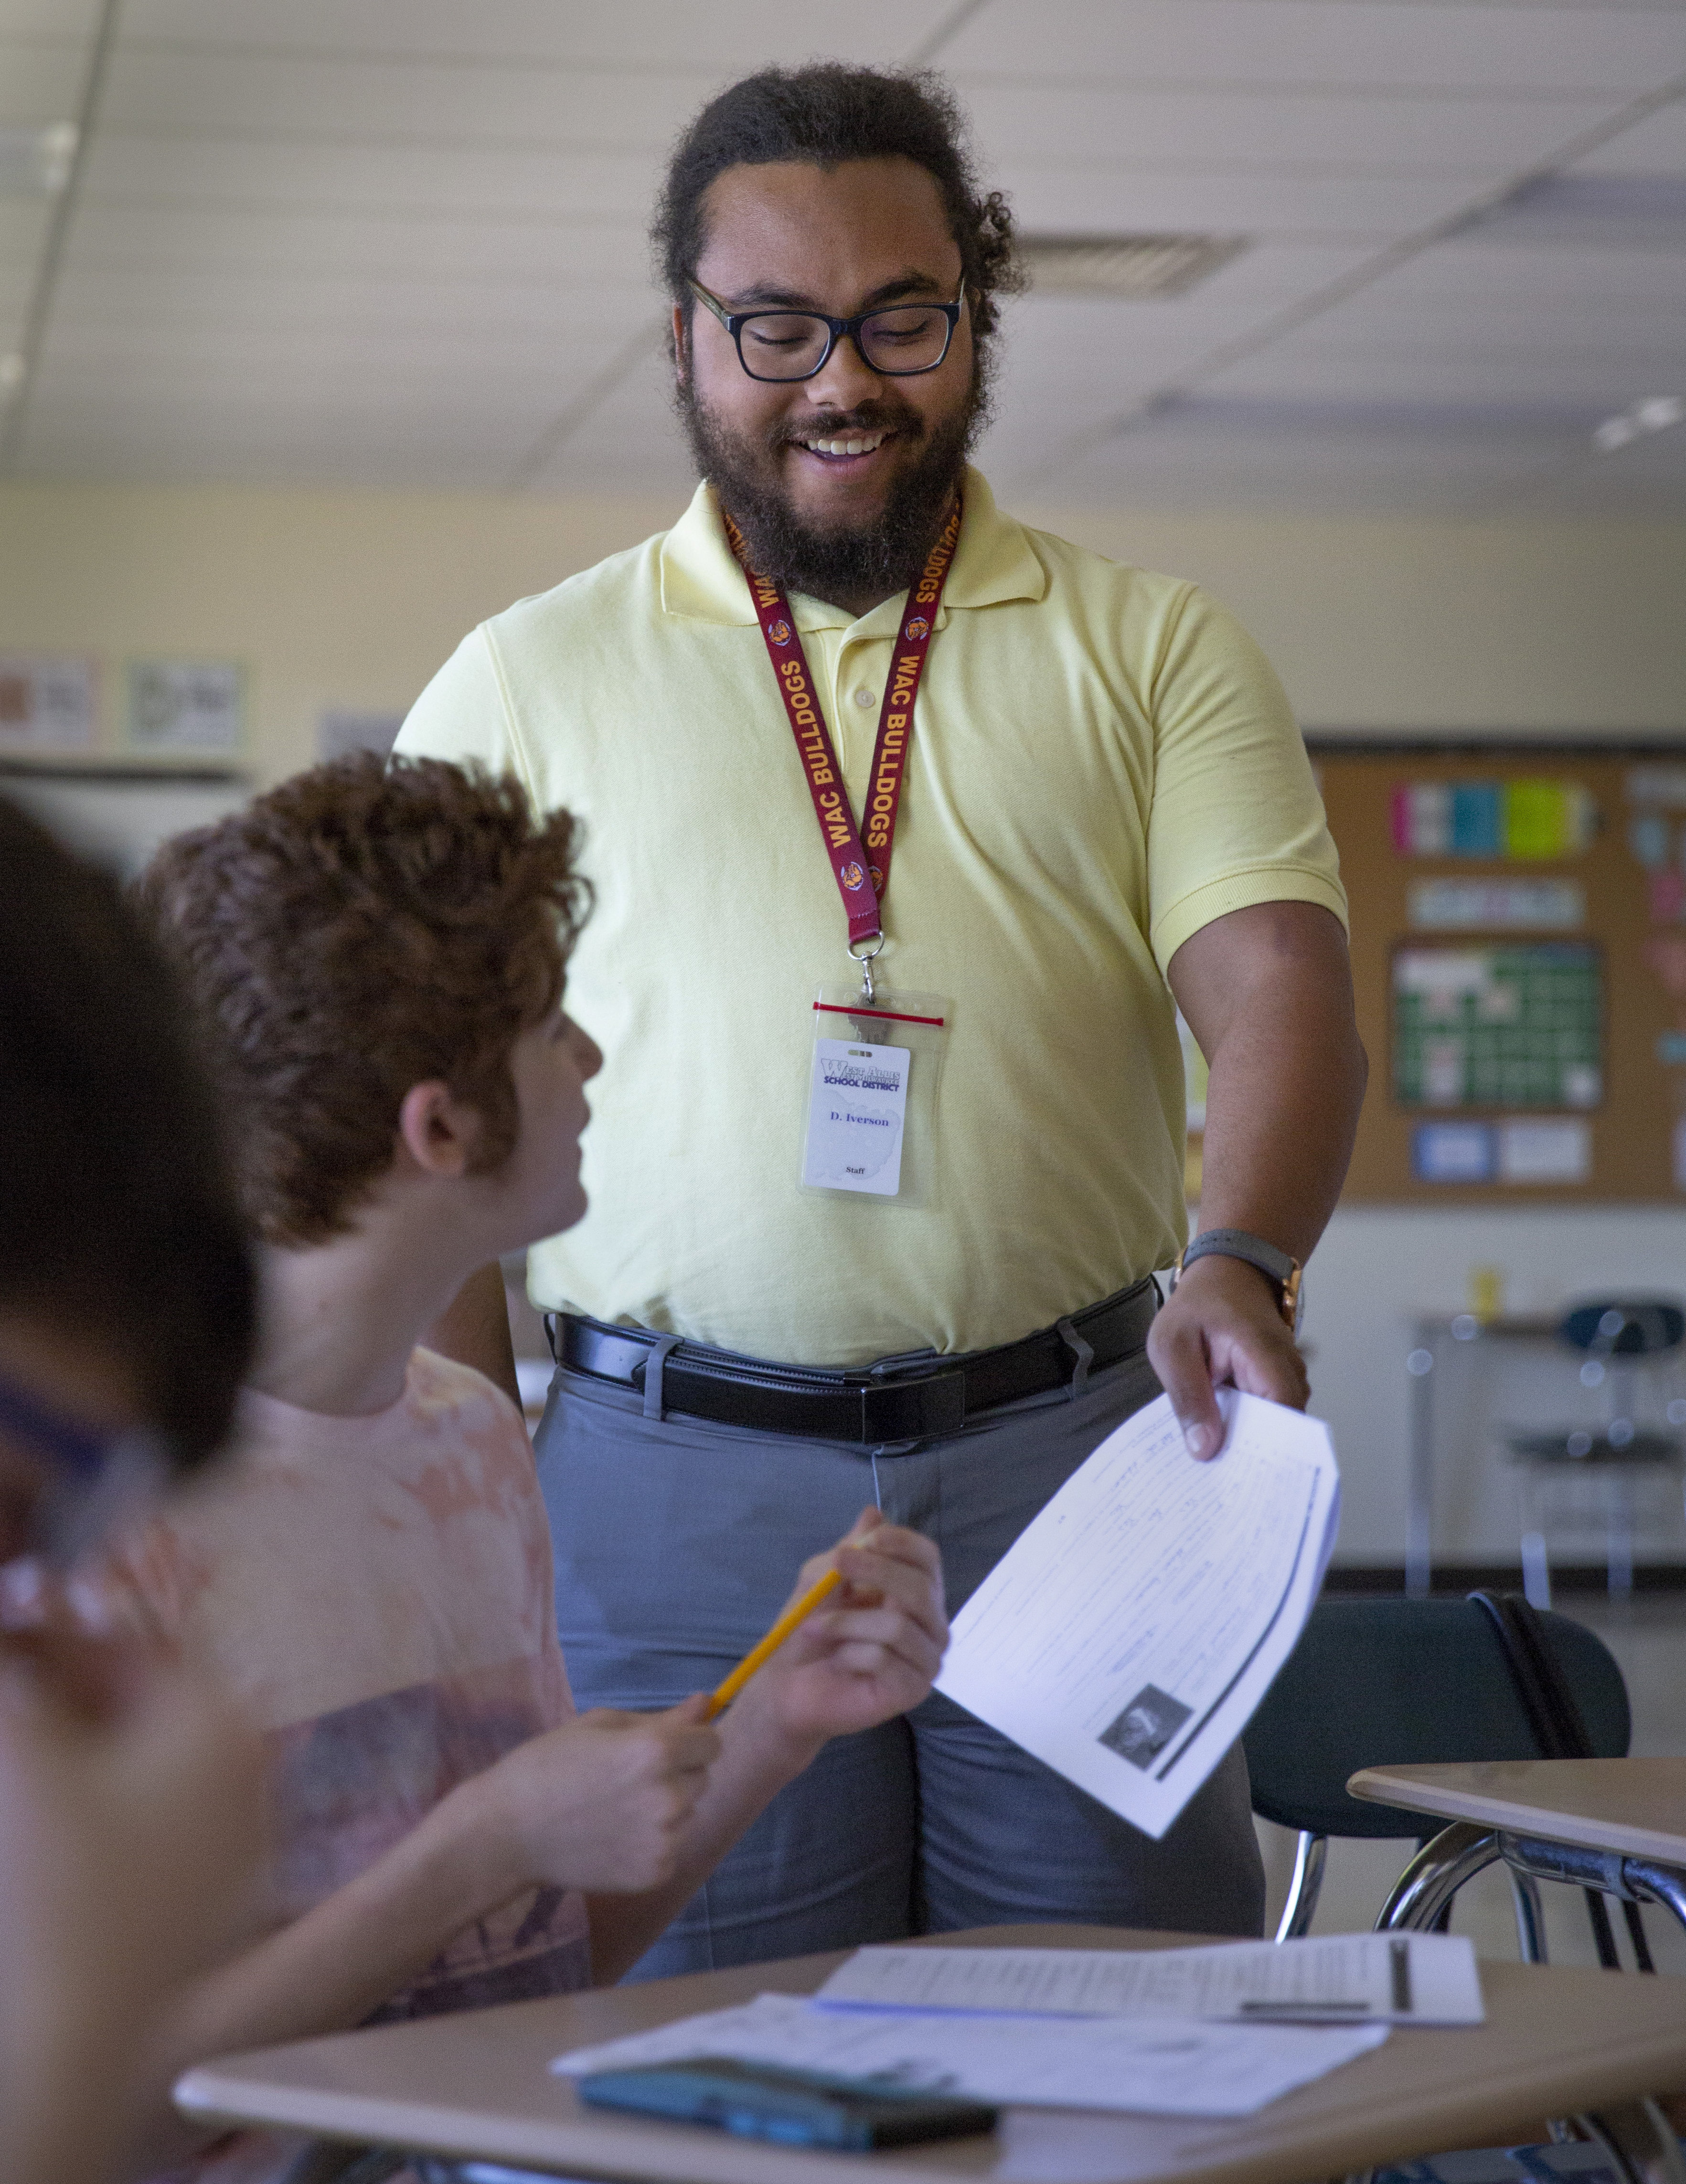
375, 956
130, 1801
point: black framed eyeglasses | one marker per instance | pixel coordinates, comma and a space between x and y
898, 341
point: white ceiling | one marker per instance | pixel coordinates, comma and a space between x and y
400, 243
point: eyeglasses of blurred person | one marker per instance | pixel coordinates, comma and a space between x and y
131, 1798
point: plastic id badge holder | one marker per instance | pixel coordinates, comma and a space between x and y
872, 1094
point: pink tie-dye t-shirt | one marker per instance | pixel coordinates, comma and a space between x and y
378, 1592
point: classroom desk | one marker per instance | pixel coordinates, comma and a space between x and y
1615, 1825
478, 2084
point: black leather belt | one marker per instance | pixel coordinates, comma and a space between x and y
917, 1398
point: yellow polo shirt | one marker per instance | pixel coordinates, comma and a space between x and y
1102, 763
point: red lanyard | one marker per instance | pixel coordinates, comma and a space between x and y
862, 870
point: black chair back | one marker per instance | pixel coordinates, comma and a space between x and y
1392, 1682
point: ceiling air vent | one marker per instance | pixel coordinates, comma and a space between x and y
1136, 267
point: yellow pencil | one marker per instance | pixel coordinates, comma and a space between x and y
775, 1638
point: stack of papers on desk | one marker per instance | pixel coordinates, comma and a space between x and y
1148, 2066
1129, 1633
1343, 1979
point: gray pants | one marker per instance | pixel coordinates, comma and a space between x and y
677, 1543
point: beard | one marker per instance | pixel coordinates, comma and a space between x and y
885, 554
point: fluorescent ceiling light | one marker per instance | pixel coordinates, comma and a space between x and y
36, 162
1133, 267
1652, 413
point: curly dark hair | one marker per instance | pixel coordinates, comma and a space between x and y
824, 114
365, 926
117, 1212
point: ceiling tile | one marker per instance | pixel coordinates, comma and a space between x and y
50, 20
722, 38
1301, 132
1654, 146
1429, 371
41, 81
402, 314
115, 235
507, 104
1274, 44
410, 179
1170, 196
23, 224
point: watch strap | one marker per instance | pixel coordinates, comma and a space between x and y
1276, 1266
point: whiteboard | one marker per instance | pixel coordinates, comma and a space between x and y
119, 816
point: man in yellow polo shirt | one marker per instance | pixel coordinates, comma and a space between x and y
906, 823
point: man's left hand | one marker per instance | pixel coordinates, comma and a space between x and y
1221, 1324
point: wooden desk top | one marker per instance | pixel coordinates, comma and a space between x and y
1555, 2042
1635, 1805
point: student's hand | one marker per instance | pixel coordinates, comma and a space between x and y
132, 1825
601, 1804
869, 1652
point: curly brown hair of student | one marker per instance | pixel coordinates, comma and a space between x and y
368, 926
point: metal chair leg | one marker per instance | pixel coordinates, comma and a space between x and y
1425, 1890
1536, 1570
1618, 1542
1311, 1855
1643, 1960
1530, 1916
1641, 2146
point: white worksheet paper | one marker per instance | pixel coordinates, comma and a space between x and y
1339, 1979
1161, 2067
1126, 1637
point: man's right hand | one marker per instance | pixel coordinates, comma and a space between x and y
602, 1803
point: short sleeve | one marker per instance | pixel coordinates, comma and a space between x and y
463, 714
1236, 818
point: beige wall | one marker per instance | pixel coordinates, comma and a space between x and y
347, 601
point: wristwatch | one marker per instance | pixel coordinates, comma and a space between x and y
1280, 1268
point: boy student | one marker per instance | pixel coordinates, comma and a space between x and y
376, 953
130, 1800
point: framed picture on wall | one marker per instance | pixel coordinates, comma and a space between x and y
188, 705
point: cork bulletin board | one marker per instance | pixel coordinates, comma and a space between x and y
1519, 953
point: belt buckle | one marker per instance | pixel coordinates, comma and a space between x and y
927, 1408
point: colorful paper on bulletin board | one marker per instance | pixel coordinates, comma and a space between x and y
1531, 819
1490, 905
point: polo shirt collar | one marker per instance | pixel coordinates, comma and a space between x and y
701, 580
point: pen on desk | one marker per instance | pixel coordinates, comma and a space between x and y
1301, 2008
799, 1613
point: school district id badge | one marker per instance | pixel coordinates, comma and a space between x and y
872, 1094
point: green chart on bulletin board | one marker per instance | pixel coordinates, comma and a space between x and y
1515, 1027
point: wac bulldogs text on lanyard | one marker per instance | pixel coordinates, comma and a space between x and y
861, 869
